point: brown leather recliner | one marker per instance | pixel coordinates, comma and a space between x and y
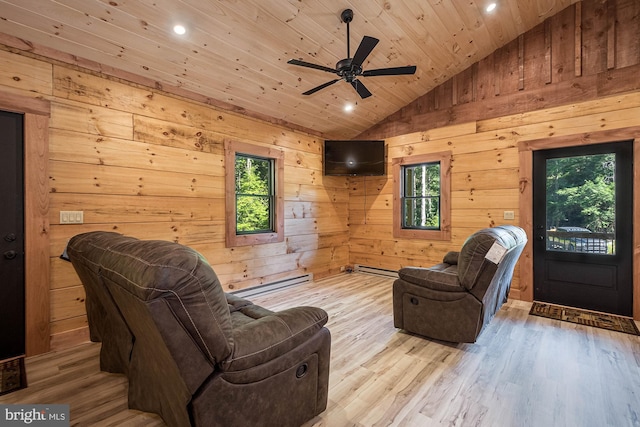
198, 356
106, 324
453, 301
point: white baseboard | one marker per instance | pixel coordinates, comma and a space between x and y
375, 270
269, 287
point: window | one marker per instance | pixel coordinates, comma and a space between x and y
422, 190
254, 202
420, 195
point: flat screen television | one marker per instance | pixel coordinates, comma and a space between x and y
354, 158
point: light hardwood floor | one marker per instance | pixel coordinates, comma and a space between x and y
522, 371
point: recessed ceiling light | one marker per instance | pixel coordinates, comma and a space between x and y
348, 108
179, 29
491, 7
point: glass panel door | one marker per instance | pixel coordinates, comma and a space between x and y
583, 227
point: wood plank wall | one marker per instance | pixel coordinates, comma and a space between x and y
485, 177
150, 165
529, 90
589, 50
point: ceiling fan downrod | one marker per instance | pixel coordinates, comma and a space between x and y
347, 16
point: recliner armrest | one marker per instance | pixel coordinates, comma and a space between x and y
236, 303
273, 335
441, 277
451, 258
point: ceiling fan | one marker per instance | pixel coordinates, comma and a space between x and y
349, 69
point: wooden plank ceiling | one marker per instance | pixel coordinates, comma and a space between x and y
237, 51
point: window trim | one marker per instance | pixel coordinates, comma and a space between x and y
231, 148
444, 233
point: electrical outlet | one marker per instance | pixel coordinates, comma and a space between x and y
509, 215
71, 217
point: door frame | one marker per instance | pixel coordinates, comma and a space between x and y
525, 152
36, 217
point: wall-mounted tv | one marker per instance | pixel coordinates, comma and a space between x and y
355, 157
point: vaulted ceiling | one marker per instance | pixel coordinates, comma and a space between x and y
236, 51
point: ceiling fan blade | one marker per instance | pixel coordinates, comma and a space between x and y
361, 89
366, 46
310, 65
322, 86
393, 71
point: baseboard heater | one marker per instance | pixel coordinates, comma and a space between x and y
375, 270
273, 286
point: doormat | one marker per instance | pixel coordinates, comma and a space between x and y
12, 375
584, 317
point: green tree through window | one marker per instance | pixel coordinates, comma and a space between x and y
581, 192
254, 187
421, 196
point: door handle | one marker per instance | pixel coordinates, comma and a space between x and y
540, 237
10, 254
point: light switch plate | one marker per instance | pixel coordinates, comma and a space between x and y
509, 215
71, 217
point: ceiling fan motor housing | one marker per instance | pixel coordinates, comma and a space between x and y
346, 70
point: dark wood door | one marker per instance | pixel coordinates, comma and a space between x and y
12, 321
583, 227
